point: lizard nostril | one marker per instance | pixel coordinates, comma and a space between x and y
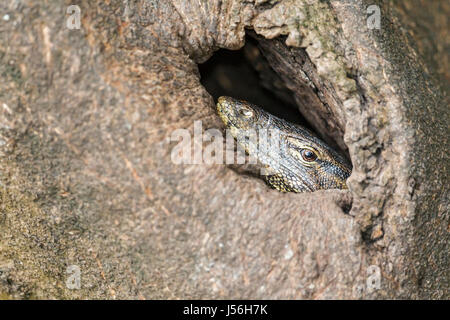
246, 112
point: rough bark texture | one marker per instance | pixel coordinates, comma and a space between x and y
87, 178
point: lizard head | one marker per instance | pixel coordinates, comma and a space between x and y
296, 159
239, 114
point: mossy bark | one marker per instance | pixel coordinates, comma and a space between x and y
87, 178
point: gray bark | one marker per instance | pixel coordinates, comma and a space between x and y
87, 178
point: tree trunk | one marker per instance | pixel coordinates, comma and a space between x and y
88, 186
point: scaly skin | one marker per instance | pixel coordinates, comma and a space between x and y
295, 160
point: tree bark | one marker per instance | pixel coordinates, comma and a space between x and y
87, 179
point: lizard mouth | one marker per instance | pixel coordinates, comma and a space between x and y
227, 110
224, 109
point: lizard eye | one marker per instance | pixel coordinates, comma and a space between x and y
308, 155
247, 113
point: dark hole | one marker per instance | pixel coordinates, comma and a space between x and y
235, 74
246, 74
